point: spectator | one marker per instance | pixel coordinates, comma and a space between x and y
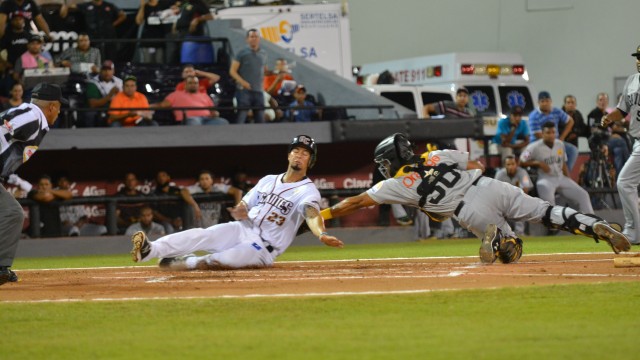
33, 58
193, 16
548, 156
73, 218
6, 79
29, 10
512, 134
305, 114
205, 79
460, 108
192, 98
579, 129
82, 59
150, 17
546, 112
126, 212
515, 175
169, 213
100, 90
273, 81
16, 38
129, 97
595, 115
248, 69
17, 91
212, 211
146, 224
46, 196
100, 19
241, 181
620, 143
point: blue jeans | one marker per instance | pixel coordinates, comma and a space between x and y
572, 154
203, 120
620, 152
250, 98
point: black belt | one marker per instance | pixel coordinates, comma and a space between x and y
461, 204
268, 246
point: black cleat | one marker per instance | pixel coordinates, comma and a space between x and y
6, 275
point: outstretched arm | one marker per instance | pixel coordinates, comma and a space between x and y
348, 206
316, 225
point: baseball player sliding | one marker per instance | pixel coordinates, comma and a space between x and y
629, 177
268, 218
445, 183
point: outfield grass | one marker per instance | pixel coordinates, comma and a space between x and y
593, 321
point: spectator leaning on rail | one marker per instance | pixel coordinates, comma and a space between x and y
34, 58
546, 112
460, 108
129, 97
100, 90
307, 113
512, 134
82, 59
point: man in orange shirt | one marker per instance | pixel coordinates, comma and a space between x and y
273, 82
129, 97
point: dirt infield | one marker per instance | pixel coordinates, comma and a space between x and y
316, 278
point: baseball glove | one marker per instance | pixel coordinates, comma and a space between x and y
510, 250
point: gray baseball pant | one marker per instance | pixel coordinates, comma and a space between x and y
628, 181
11, 220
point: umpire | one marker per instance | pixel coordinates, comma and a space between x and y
22, 130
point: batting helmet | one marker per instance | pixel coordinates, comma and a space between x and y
394, 152
307, 142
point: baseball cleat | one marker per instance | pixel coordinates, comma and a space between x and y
141, 246
6, 275
490, 244
614, 238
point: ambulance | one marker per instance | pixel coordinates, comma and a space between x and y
495, 81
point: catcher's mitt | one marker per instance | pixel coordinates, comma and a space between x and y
510, 250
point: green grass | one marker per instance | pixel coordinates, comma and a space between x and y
592, 321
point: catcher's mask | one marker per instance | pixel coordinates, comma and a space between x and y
392, 153
307, 142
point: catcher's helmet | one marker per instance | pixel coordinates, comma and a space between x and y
392, 153
307, 142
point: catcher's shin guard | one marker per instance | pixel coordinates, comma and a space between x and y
568, 219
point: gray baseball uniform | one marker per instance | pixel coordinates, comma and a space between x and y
520, 179
548, 184
472, 199
629, 177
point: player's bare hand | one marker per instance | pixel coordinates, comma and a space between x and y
239, 212
331, 241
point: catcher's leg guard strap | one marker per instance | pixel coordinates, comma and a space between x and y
568, 219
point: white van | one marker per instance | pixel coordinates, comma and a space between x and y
411, 97
495, 81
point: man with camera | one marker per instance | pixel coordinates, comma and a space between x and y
629, 177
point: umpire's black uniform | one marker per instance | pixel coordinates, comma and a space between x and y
21, 130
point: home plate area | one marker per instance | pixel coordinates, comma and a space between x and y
312, 278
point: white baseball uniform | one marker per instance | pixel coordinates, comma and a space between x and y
276, 211
548, 184
629, 177
472, 199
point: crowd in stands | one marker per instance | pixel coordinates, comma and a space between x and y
99, 73
147, 210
